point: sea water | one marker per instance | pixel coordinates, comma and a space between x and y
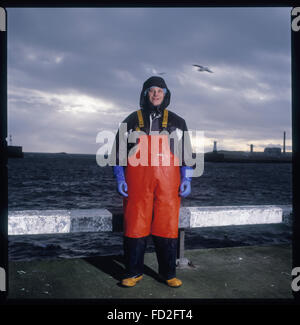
75, 181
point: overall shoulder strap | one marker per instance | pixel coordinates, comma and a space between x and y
165, 119
140, 118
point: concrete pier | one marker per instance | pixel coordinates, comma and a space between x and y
246, 272
254, 272
94, 220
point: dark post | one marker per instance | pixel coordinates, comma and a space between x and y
180, 247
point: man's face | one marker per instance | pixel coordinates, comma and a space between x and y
156, 95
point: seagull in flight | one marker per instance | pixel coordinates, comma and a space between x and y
202, 68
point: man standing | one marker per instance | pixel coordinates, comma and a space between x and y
153, 182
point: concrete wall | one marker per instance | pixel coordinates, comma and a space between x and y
94, 220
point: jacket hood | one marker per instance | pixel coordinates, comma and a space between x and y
157, 82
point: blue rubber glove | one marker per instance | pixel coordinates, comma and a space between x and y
122, 185
185, 185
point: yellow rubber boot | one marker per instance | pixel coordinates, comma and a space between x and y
174, 283
131, 282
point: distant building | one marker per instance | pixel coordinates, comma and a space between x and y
273, 151
14, 152
215, 146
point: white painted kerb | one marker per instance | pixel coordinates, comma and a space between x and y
31, 222
192, 217
93, 220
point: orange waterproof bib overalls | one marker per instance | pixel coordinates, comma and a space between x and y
153, 178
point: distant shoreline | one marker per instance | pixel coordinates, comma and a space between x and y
233, 157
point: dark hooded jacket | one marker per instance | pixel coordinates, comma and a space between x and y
145, 104
150, 112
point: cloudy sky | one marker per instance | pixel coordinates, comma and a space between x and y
75, 72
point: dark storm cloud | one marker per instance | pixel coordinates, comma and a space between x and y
106, 54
